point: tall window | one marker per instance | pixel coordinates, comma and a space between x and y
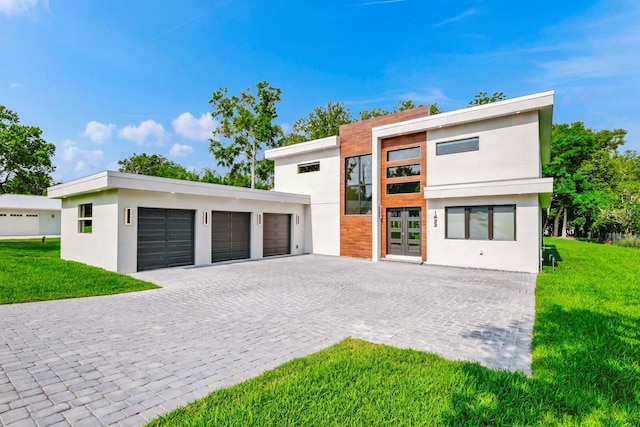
407, 168
358, 189
85, 213
481, 222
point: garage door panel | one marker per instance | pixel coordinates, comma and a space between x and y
276, 234
230, 236
165, 238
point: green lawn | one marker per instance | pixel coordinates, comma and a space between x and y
586, 363
32, 271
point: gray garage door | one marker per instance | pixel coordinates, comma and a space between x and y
277, 238
165, 238
230, 235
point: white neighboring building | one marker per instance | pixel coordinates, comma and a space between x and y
25, 215
462, 188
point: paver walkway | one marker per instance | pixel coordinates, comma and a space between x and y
124, 359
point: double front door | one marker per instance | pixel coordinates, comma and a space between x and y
404, 231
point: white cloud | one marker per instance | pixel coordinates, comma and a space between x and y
99, 132
15, 85
180, 150
195, 129
86, 161
459, 17
371, 3
148, 133
22, 7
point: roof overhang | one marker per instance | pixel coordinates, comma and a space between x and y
491, 188
541, 102
110, 180
303, 147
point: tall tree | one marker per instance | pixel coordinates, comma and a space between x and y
323, 122
246, 124
623, 213
155, 165
482, 98
25, 158
583, 173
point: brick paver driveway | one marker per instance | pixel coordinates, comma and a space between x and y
124, 359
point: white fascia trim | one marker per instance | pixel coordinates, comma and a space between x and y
28, 202
535, 102
490, 188
303, 147
110, 180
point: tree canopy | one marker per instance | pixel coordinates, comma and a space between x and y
155, 165
25, 158
482, 98
323, 122
590, 178
402, 105
326, 121
246, 126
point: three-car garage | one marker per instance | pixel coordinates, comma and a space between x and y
166, 237
127, 223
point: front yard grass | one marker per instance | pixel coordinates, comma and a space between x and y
586, 367
33, 271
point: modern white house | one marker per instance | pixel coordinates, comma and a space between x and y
26, 215
462, 188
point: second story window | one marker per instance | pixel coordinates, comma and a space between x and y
358, 188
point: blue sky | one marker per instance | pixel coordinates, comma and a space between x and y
106, 79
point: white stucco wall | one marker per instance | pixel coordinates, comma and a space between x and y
99, 247
127, 234
323, 187
49, 223
519, 255
508, 149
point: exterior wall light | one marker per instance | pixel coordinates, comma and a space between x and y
128, 216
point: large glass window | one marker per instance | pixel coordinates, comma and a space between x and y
358, 188
455, 223
403, 154
85, 213
481, 222
458, 146
404, 170
403, 187
504, 219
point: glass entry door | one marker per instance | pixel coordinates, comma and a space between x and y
404, 231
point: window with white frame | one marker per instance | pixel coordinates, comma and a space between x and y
85, 215
481, 222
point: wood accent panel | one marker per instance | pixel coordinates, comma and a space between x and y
403, 200
355, 140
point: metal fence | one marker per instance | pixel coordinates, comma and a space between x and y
619, 239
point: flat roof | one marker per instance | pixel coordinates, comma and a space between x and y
28, 202
303, 147
110, 180
541, 102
